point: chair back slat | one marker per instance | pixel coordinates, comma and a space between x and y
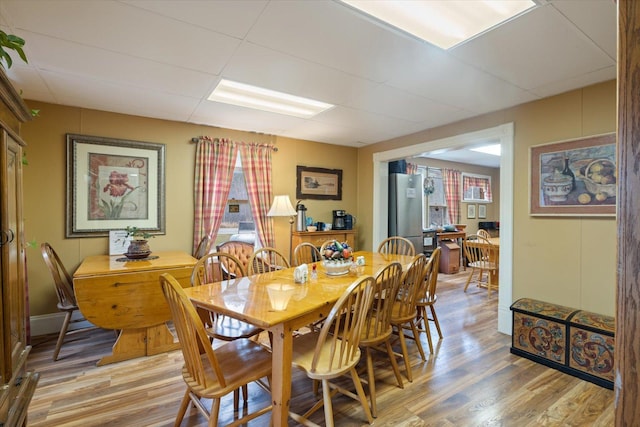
432, 275
397, 245
216, 266
343, 326
194, 342
411, 284
265, 260
384, 294
477, 250
306, 253
61, 277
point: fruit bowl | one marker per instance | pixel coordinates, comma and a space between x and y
337, 267
599, 177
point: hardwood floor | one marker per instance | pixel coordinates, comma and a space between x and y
471, 380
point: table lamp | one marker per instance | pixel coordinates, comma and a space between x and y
282, 207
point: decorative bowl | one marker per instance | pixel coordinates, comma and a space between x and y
312, 228
337, 267
557, 187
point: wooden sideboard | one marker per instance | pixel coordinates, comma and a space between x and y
317, 238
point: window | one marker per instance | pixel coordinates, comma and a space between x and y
238, 210
476, 188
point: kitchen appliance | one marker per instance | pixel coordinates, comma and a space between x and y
339, 217
349, 222
405, 208
301, 221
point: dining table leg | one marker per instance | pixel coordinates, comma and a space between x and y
282, 346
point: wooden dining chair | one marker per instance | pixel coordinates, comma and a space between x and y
334, 351
208, 373
215, 267
404, 311
66, 297
481, 256
429, 299
306, 253
377, 331
483, 233
265, 260
397, 245
203, 247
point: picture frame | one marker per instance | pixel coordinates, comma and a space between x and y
471, 211
482, 211
113, 184
318, 183
574, 177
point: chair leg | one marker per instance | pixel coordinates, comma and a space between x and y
416, 338
427, 329
435, 320
372, 383
328, 408
361, 395
215, 411
466, 285
405, 354
63, 332
394, 363
183, 408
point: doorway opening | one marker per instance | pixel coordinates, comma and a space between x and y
503, 134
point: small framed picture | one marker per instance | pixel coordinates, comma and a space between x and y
482, 211
471, 211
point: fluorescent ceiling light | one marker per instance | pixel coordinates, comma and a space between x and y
493, 149
444, 23
244, 95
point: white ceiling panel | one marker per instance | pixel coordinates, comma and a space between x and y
161, 59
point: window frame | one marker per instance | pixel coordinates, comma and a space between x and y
465, 199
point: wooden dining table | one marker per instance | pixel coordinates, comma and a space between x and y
248, 299
113, 292
494, 256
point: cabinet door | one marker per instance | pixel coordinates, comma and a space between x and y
12, 255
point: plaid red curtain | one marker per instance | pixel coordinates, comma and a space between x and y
451, 182
256, 164
215, 161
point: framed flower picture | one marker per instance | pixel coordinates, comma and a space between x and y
113, 184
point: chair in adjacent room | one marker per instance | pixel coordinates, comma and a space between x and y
377, 331
306, 253
334, 351
240, 250
397, 245
215, 267
404, 311
484, 233
208, 373
480, 254
66, 298
429, 299
265, 260
203, 247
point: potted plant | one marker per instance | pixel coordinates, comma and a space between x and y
139, 246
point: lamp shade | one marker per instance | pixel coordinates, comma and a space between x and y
281, 207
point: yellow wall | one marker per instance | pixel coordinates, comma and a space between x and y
569, 261
45, 183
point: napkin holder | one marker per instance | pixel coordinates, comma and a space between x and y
301, 273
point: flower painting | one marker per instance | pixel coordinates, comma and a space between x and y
113, 184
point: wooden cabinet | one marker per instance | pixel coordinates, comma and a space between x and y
317, 238
17, 385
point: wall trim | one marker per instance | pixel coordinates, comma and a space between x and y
51, 323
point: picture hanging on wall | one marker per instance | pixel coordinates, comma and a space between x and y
113, 184
471, 211
575, 177
318, 183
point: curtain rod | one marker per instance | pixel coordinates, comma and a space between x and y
196, 139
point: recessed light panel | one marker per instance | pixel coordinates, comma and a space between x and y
244, 95
444, 23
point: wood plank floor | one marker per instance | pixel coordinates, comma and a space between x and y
471, 380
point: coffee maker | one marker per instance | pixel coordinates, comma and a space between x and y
339, 217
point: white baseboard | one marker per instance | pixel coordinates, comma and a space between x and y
51, 323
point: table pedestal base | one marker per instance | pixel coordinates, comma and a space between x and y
132, 343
